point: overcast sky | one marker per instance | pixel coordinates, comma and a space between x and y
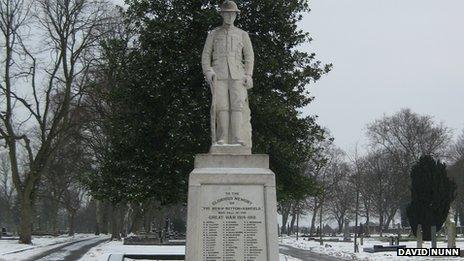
387, 55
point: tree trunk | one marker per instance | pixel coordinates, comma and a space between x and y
123, 220
54, 214
25, 223
292, 223
461, 218
387, 223
367, 230
98, 217
456, 215
312, 229
340, 224
71, 219
97, 229
148, 217
285, 215
115, 235
105, 211
136, 219
390, 218
381, 223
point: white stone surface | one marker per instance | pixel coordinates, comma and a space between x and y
232, 212
227, 61
230, 149
207, 161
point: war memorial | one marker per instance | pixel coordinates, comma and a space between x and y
232, 213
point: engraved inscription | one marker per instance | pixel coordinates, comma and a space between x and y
233, 223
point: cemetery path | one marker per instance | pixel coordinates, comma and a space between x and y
305, 255
70, 252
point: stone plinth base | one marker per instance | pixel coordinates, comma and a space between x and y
232, 212
230, 149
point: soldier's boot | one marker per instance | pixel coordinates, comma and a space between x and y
223, 127
236, 121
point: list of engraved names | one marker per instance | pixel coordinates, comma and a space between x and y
233, 223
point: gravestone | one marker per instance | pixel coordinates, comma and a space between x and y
346, 232
433, 232
398, 232
451, 234
419, 236
232, 206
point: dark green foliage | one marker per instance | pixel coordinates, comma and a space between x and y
160, 100
432, 192
110, 125
179, 225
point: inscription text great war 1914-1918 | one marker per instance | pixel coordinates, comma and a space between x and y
233, 223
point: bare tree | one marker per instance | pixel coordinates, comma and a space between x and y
383, 185
405, 136
71, 31
61, 180
13, 17
364, 187
341, 202
457, 149
73, 199
327, 175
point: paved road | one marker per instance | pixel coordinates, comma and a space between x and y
72, 251
305, 255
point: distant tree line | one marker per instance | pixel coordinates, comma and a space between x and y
382, 175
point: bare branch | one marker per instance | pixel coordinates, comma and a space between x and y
25, 103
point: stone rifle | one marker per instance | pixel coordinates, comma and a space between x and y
212, 86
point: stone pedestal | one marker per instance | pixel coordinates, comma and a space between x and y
232, 209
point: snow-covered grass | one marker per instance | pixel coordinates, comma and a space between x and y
102, 251
12, 250
345, 250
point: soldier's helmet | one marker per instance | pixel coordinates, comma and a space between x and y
229, 6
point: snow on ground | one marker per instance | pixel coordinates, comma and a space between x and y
12, 250
102, 251
287, 258
67, 251
345, 250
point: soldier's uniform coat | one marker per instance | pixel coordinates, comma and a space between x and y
229, 53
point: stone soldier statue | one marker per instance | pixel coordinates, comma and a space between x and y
227, 63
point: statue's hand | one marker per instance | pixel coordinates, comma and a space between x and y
248, 82
210, 77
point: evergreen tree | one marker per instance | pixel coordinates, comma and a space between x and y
161, 100
432, 193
